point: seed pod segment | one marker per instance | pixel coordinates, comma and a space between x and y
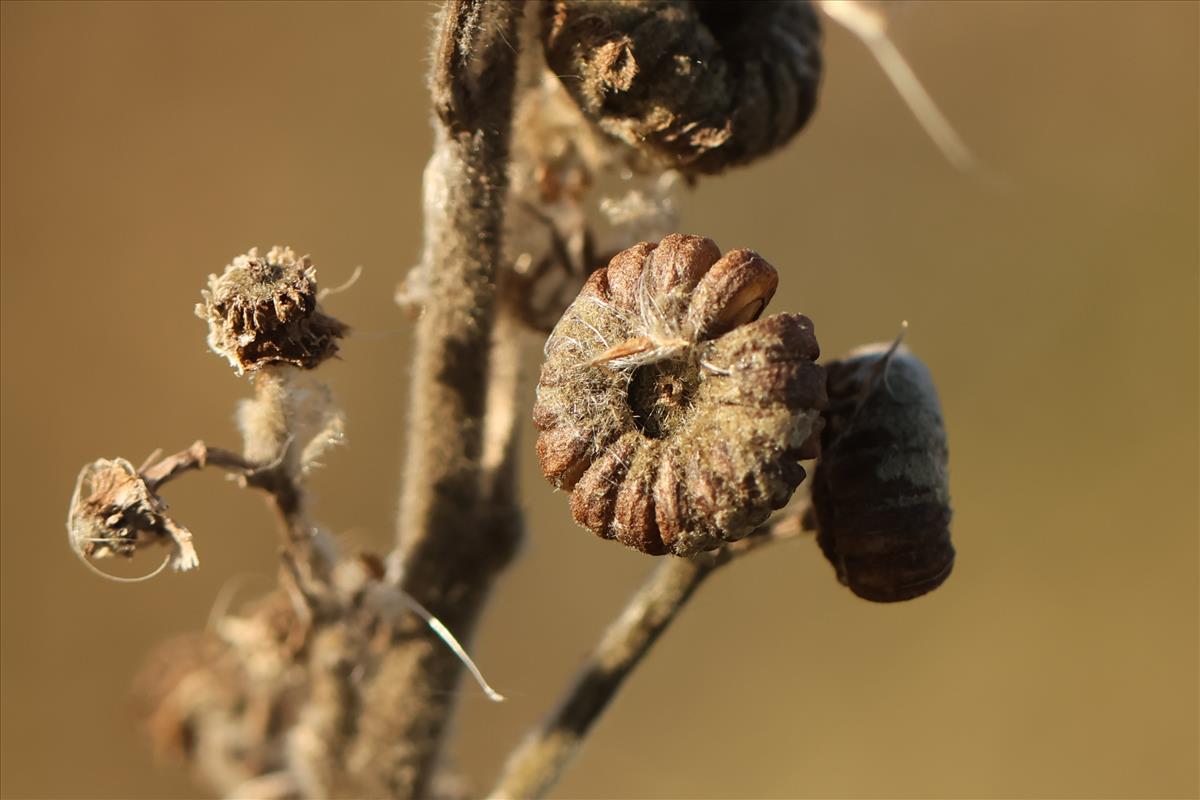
673, 414
880, 492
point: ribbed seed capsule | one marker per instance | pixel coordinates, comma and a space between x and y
698, 86
880, 492
675, 417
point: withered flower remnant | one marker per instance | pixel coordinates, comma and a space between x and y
700, 86
264, 311
880, 491
676, 417
114, 511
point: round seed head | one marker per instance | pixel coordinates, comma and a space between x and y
263, 311
698, 86
676, 417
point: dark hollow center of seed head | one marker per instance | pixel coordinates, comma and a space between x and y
660, 396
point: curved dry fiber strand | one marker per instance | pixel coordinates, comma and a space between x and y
699, 86
669, 441
881, 497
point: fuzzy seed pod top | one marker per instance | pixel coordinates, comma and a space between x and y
674, 415
881, 497
263, 311
699, 86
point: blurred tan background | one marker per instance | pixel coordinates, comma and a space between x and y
144, 145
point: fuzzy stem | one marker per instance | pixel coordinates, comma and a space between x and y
197, 456
269, 422
539, 761
441, 550
446, 555
501, 429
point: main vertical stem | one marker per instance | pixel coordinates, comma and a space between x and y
446, 555
441, 549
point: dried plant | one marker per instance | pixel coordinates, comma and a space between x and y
676, 420
675, 416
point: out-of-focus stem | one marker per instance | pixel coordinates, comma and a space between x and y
539, 761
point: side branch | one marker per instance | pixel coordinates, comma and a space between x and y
539, 761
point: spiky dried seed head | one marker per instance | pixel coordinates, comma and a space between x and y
881, 497
676, 417
263, 310
699, 86
115, 512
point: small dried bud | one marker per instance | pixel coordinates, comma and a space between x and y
881, 498
115, 512
699, 86
264, 311
677, 421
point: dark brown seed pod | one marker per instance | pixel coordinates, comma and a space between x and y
880, 492
676, 417
263, 311
699, 86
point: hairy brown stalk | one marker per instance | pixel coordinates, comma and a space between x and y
197, 456
445, 556
539, 761
284, 492
505, 410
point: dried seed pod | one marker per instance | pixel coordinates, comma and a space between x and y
115, 512
700, 86
676, 417
880, 492
263, 311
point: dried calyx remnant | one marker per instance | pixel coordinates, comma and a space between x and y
115, 511
699, 85
676, 417
880, 492
263, 311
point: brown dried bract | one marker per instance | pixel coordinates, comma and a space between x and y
115, 512
263, 311
700, 86
881, 498
675, 416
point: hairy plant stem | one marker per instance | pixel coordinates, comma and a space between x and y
446, 556
273, 478
539, 761
501, 428
269, 425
